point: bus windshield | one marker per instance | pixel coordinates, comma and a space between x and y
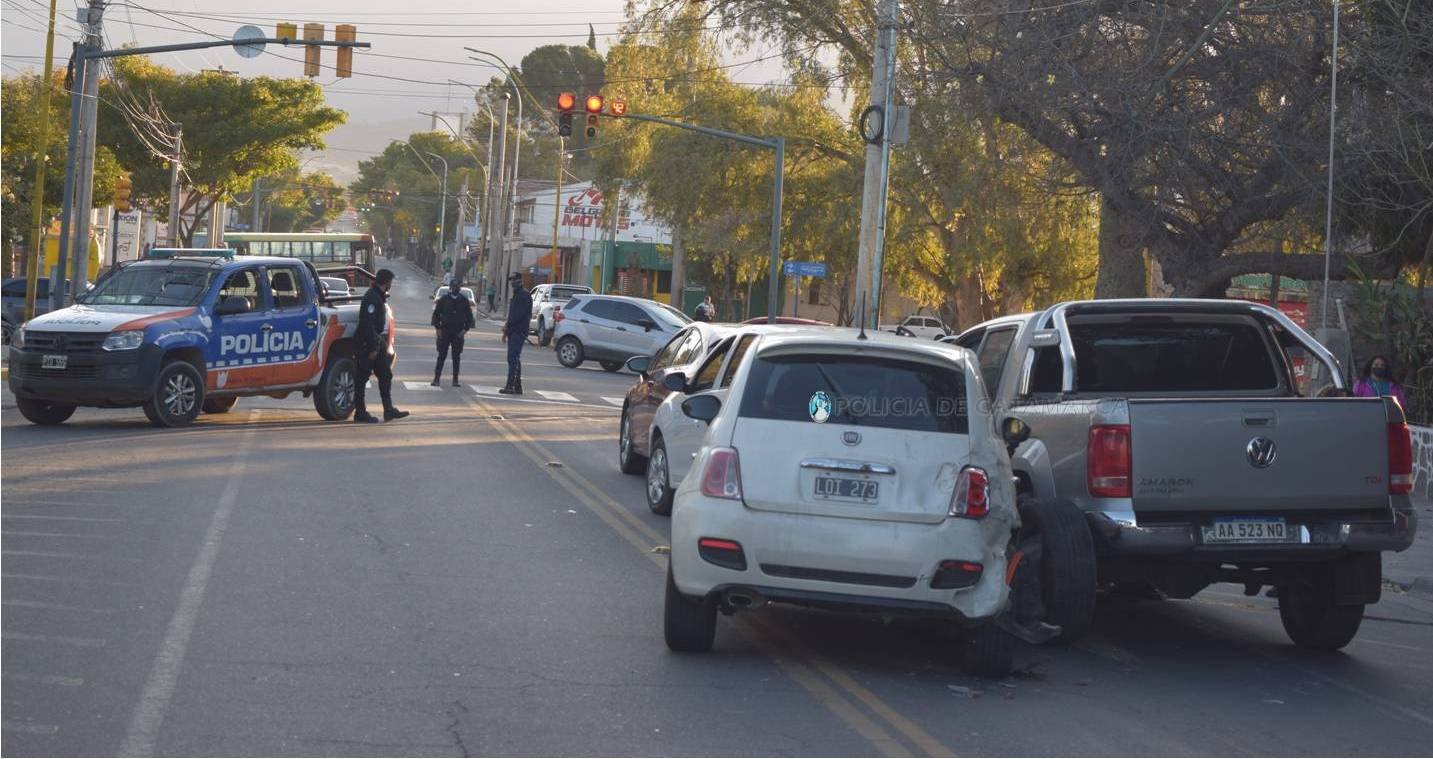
151, 286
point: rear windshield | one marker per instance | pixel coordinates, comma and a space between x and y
1171, 357
864, 391
565, 293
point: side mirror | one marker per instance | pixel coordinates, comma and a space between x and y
702, 408
676, 382
639, 364
646, 324
1014, 431
231, 305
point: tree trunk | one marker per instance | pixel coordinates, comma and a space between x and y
679, 265
1121, 272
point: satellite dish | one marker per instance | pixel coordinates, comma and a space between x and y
249, 32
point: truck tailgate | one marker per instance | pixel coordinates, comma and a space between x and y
1258, 455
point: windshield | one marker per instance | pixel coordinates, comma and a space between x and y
151, 286
865, 391
671, 316
566, 293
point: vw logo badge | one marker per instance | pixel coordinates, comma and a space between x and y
851, 437
819, 407
1261, 452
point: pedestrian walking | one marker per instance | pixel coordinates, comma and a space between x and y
705, 310
1378, 380
515, 333
492, 295
452, 318
375, 357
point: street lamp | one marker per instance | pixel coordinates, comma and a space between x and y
509, 214
442, 209
487, 213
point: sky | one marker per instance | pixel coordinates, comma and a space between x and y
418, 46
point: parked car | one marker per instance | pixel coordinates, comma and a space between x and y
547, 300
12, 307
613, 328
1182, 432
919, 326
679, 357
788, 320
467, 293
336, 287
849, 473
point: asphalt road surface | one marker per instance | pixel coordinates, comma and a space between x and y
480, 579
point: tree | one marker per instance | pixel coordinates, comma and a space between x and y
408, 175
235, 130
294, 202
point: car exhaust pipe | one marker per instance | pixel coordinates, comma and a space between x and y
742, 599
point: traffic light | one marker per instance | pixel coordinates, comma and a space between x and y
123, 188
344, 33
594, 107
566, 102
311, 52
286, 31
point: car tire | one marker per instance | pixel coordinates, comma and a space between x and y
45, 413
220, 405
569, 352
178, 396
333, 399
8, 331
544, 336
628, 460
610, 366
688, 624
1310, 615
988, 651
659, 485
1068, 580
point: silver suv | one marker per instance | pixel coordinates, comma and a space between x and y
610, 329
547, 300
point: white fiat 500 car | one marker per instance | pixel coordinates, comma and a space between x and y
847, 472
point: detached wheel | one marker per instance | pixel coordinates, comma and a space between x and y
628, 460
988, 651
44, 412
659, 489
688, 624
1310, 616
544, 337
334, 397
178, 396
1067, 568
569, 352
220, 405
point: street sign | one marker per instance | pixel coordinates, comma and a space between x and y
804, 269
249, 32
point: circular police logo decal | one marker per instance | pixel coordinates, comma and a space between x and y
820, 407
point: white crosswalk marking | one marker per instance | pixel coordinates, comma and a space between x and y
484, 389
614, 401
423, 386
556, 395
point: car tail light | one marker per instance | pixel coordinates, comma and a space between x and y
971, 498
722, 479
1400, 459
1108, 461
557, 314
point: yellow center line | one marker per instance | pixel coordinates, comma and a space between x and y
804, 667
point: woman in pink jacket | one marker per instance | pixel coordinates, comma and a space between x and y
1377, 380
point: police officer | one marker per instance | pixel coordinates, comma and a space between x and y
452, 318
515, 333
374, 357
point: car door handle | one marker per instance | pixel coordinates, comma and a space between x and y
584, 321
267, 327
621, 329
311, 323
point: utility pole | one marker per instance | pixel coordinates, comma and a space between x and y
462, 214
557, 208
516, 157
258, 199
610, 255
495, 219
217, 214
876, 123
57, 293
42, 153
175, 166
442, 218
84, 203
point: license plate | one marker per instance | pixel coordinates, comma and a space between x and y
853, 489
54, 362
1248, 530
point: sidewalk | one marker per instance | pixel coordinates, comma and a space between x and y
1412, 570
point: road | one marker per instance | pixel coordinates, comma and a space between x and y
480, 579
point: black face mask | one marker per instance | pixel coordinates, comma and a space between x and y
1380, 372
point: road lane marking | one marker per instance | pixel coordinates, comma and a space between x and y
58, 680
496, 396
148, 715
64, 640
48, 534
615, 401
59, 578
65, 519
421, 386
557, 395
44, 554
32, 728
54, 607
792, 660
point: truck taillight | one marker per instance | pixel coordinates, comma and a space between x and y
722, 479
557, 314
1400, 459
971, 498
1107, 460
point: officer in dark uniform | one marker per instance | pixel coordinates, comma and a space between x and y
374, 356
452, 318
515, 333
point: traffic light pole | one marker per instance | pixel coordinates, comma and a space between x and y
778, 147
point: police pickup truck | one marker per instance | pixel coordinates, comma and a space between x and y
185, 332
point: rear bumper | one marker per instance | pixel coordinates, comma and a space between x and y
1120, 533
100, 378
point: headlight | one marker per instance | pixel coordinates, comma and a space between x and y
17, 340
124, 341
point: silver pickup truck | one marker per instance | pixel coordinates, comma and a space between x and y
1188, 434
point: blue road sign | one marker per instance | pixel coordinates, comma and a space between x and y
804, 269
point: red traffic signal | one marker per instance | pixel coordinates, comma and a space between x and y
594, 103
566, 101
617, 108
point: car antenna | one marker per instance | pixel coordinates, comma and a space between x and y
862, 335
